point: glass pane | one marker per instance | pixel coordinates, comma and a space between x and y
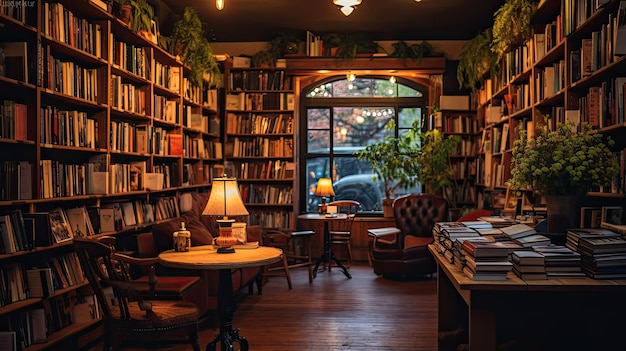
360, 126
384, 88
408, 115
318, 118
404, 91
318, 141
360, 87
316, 168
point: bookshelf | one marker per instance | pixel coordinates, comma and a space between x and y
97, 118
259, 142
568, 71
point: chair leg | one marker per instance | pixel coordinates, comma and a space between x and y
349, 254
286, 269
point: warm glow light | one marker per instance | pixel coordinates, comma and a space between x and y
225, 199
324, 188
351, 76
392, 80
347, 2
219, 4
347, 10
360, 119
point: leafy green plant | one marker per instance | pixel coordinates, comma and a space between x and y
414, 51
476, 59
195, 50
142, 16
284, 43
350, 45
512, 25
416, 157
562, 161
264, 57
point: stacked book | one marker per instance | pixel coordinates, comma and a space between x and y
560, 261
603, 257
525, 235
486, 260
499, 221
572, 237
448, 237
529, 265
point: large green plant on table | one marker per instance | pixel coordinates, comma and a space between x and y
188, 40
563, 165
416, 157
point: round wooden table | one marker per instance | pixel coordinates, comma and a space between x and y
206, 257
327, 255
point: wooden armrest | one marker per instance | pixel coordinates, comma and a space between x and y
381, 232
302, 233
143, 261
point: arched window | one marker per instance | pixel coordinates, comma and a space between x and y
341, 116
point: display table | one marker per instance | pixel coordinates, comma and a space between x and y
553, 314
206, 257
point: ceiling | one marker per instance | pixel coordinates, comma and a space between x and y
261, 20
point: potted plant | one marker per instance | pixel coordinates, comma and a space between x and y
414, 51
416, 157
123, 10
189, 41
476, 59
349, 46
512, 25
284, 44
562, 165
264, 58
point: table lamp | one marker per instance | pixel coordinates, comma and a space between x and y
324, 188
225, 201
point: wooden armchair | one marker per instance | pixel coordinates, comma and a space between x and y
403, 253
129, 318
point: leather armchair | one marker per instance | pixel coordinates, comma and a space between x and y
403, 253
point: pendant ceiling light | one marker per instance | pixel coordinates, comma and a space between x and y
219, 4
347, 6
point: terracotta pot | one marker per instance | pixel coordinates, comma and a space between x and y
563, 212
388, 208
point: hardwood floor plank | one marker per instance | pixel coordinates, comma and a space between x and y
365, 313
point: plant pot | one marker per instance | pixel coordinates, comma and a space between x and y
123, 12
563, 212
388, 208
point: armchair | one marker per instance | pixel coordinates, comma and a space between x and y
403, 251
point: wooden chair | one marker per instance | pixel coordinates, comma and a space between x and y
296, 248
341, 230
129, 318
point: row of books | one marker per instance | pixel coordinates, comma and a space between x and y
127, 96
167, 77
260, 146
260, 101
199, 122
192, 92
144, 139
603, 252
62, 25
129, 57
266, 194
70, 78
68, 128
252, 123
271, 169
259, 80
13, 120
196, 147
272, 219
165, 109
16, 180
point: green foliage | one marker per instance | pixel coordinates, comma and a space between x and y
196, 50
263, 56
143, 14
414, 51
512, 25
563, 161
416, 157
476, 59
284, 43
349, 45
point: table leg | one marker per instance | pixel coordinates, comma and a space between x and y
226, 307
329, 256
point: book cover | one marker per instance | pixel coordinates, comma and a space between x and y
59, 226
175, 144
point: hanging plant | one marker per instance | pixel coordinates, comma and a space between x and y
189, 41
512, 25
414, 51
476, 59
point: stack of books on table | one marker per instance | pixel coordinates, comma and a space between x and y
486, 260
560, 261
529, 265
499, 221
446, 234
573, 235
525, 235
603, 257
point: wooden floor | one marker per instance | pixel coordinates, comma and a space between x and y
365, 313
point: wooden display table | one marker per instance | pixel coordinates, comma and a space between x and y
552, 314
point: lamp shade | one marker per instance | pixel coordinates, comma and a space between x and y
324, 187
225, 199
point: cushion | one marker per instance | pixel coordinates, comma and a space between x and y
162, 232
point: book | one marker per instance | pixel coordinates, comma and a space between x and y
247, 245
532, 240
40, 282
485, 275
8, 340
485, 249
16, 60
79, 221
527, 258
478, 265
530, 275
519, 230
59, 226
37, 226
37, 319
